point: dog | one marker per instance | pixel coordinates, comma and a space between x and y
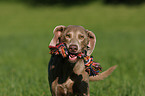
67, 76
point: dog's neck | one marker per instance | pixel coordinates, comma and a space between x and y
63, 69
79, 67
76, 67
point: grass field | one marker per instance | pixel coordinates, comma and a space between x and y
25, 32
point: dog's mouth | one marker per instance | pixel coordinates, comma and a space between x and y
73, 57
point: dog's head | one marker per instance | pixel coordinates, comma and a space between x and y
76, 38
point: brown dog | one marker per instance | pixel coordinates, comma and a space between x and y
67, 77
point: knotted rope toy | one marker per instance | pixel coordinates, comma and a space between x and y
91, 67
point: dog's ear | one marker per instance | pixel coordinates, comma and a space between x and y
57, 33
91, 43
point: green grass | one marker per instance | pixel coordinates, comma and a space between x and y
25, 32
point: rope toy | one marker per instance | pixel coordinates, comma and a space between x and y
91, 67
59, 49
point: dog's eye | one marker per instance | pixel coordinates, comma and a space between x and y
81, 37
68, 36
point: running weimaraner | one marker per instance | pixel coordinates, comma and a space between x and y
67, 76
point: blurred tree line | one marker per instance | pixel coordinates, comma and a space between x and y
70, 2
124, 1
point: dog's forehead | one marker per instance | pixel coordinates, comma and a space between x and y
75, 29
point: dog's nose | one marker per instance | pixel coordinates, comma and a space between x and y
73, 48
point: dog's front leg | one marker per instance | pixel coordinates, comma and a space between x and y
60, 91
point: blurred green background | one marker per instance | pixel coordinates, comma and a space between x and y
26, 29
